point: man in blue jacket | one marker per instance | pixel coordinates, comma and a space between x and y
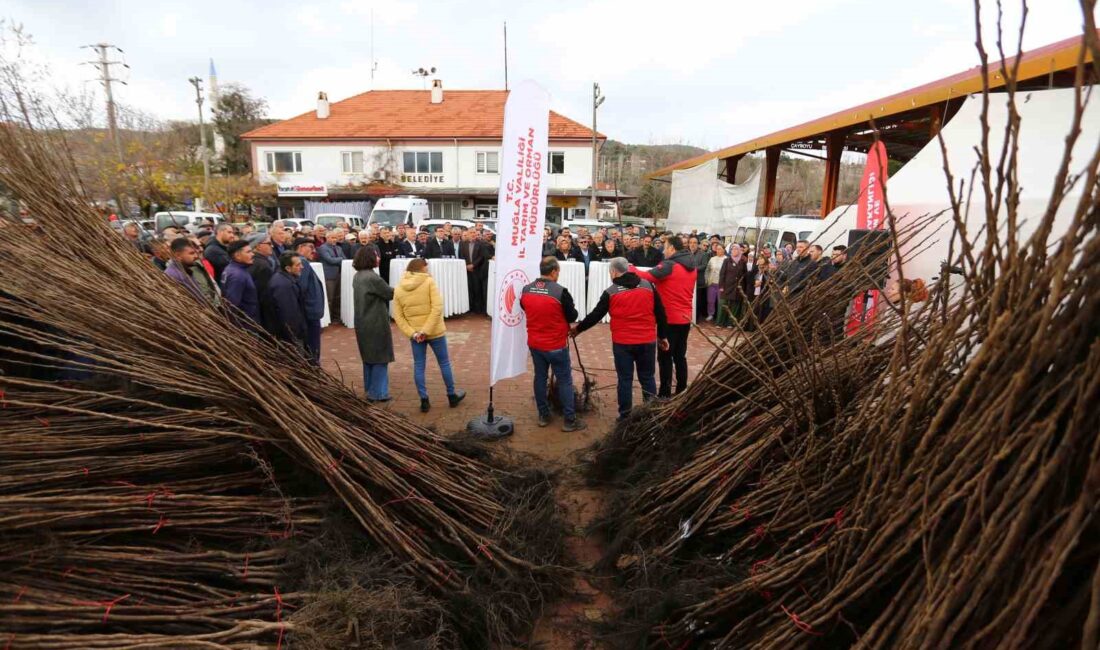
239, 288
313, 299
289, 316
332, 257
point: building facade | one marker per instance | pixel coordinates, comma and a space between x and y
444, 147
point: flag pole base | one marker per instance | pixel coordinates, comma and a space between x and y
491, 426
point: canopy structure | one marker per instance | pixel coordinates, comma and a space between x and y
704, 202
919, 188
906, 121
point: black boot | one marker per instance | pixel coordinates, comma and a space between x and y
456, 398
425, 405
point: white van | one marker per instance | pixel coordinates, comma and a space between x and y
776, 232
184, 219
330, 219
408, 210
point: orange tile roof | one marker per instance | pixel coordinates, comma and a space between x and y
407, 114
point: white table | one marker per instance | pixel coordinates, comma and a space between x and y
571, 277
449, 276
319, 269
599, 279
347, 295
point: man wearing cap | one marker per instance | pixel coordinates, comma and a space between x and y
550, 310
313, 299
238, 287
263, 267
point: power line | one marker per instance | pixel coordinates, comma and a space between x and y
103, 64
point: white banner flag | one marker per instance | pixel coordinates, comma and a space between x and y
521, 214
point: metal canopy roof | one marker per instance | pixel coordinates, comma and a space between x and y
904, 119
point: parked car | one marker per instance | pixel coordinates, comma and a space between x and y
429, 225
332, 219
191, 221
591, 224
298, 223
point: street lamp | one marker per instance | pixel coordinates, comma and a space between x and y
597, 99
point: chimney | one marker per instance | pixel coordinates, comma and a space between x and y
437, 91
322, 105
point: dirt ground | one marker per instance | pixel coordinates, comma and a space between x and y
564, 625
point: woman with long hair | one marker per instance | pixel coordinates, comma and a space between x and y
371, 297
418, 312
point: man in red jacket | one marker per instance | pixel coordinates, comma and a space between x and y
637, 324
550, 310
675, 282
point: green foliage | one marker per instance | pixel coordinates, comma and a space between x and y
236, 113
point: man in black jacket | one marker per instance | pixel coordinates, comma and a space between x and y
645, 255
387, 249
407, 246
471, 250
288, 310
439, 246
217, 252
263, 268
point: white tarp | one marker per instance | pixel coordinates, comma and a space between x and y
521, 206
702, 201
919, 188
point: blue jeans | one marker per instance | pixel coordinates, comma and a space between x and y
376, 380
420, 353
313, 341
642, 356
558, 360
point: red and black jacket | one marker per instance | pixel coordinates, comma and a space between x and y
549, 309
637, 314
675, 280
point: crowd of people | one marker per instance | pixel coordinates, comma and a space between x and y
657, 281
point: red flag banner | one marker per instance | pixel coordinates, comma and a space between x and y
870, 216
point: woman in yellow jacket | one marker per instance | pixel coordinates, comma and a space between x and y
418, 312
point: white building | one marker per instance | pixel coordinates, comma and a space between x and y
443, 146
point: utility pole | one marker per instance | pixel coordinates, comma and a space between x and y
197, 83
103, 64
597, 99
506, 55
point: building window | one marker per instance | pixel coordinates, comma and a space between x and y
445, 210
488, 162
352, 162
423, 162
486, 212
579, 213
284, 162
557, 162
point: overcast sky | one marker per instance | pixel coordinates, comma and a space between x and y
705, 73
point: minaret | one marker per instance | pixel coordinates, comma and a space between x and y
212, 89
